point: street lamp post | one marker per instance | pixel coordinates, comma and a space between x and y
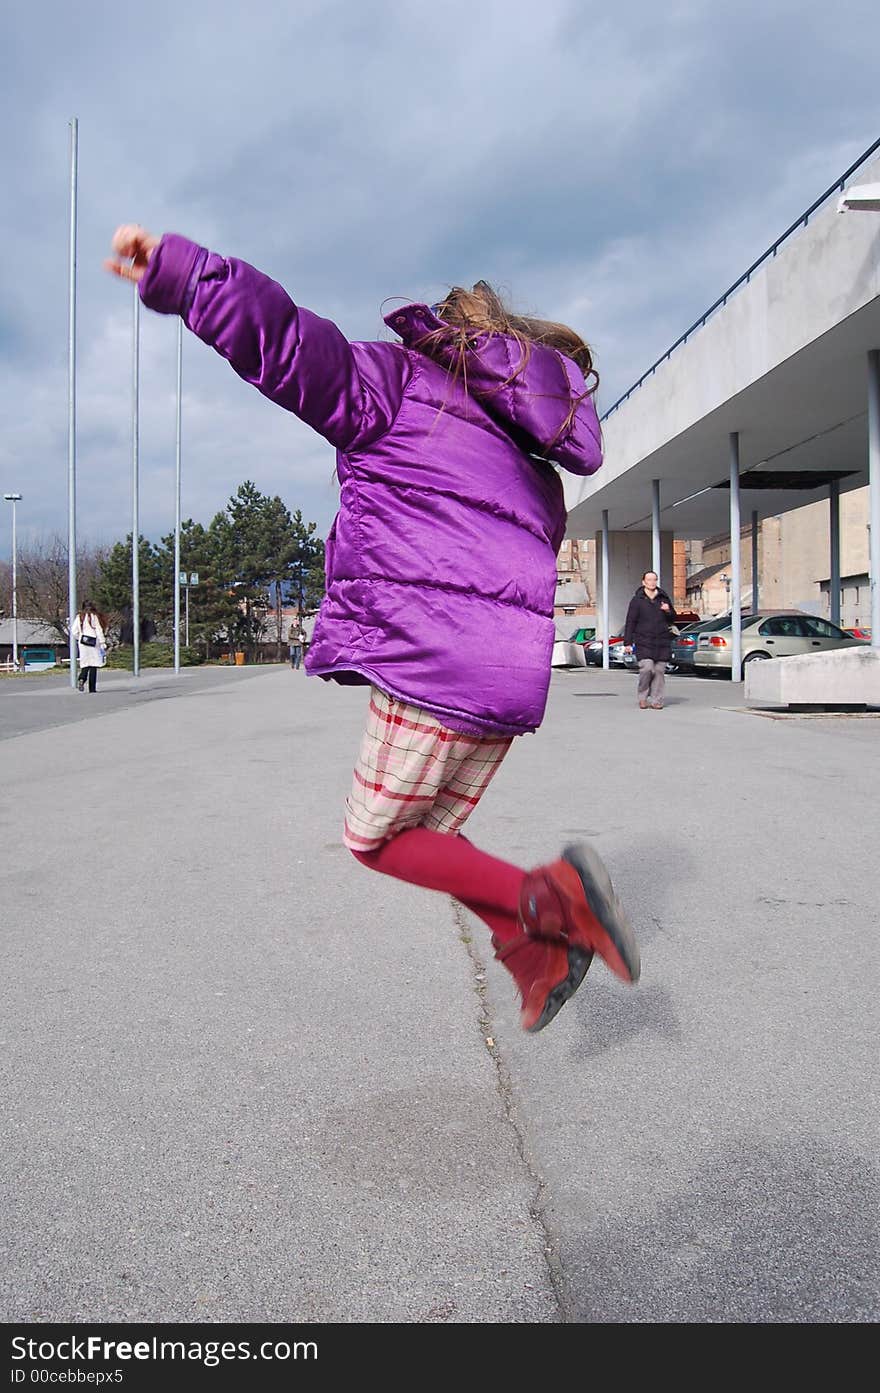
14, 498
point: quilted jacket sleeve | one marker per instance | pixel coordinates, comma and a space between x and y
349, 393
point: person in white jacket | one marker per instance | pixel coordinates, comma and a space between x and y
91, 645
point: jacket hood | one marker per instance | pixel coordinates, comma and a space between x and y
533, 404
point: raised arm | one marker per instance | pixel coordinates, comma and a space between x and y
349, 393
667, 610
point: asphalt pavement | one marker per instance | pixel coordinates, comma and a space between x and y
243, 1079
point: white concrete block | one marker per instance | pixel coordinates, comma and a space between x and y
568, 654
845, 677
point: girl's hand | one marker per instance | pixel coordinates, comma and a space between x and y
132, 247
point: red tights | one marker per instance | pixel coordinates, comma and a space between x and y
454, 866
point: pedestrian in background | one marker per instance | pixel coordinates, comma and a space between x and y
88, 632
647, 631
441, 572
296, 638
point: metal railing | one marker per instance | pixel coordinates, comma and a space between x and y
836, 187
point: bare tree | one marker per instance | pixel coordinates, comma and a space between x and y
43, 580
5, 589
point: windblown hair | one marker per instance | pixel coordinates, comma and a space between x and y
482, 311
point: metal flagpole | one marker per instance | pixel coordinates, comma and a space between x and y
135, 518
71, 407
14, 498
605, 599
177, 498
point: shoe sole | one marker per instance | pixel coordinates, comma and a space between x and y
579, 960
616, 943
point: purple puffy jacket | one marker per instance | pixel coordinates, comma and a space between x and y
441, 562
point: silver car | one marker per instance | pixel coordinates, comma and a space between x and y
684, 643
779, 635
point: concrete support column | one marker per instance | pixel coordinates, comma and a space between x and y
874, 488
834, 544
735, 562
755, 605
655, 529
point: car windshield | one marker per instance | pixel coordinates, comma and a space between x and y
722, 621
748, 622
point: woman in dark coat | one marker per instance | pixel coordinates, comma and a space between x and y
648, 619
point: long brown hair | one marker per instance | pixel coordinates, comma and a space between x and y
88, 608
481, 310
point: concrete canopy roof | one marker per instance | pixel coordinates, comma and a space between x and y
783, 363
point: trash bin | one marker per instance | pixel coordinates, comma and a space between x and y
239, 660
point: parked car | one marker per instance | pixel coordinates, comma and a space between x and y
684, 645
859, 633
39, 659
779, 635
593, 650
618, 656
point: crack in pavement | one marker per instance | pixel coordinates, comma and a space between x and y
537, 1208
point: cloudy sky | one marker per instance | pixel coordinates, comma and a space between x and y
612, 166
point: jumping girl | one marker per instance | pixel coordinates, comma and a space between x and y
441, 570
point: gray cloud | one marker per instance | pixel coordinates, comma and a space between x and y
615, 170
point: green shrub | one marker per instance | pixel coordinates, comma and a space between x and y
154, 655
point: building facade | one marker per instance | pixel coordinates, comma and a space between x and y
794, 563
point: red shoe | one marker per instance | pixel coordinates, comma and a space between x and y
573, 900
546, 973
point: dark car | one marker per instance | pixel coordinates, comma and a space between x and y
593, 651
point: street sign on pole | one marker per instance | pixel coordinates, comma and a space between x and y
188, 580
